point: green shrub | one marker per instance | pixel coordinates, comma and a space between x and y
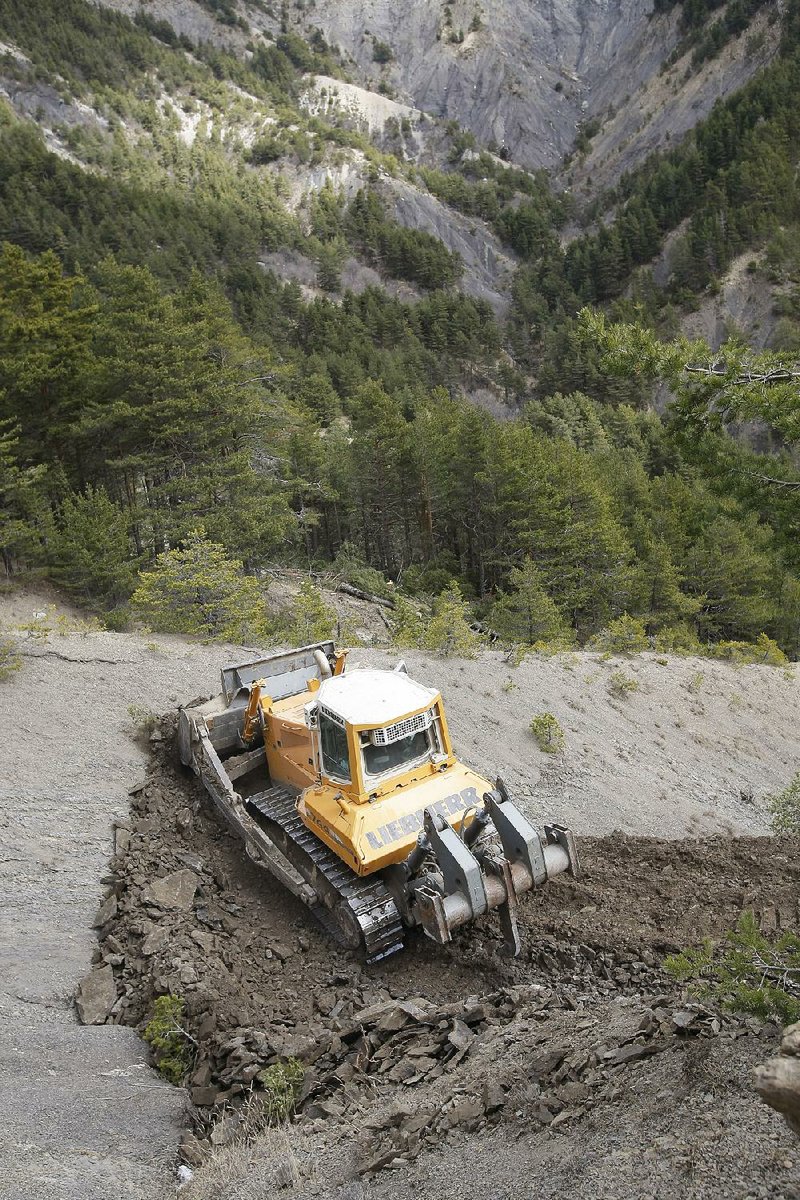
548, 733
449, 631
625, 635
381, 51
762, 650
409, 624
199, 590
282, 1084
307, 619
431, 578
10, 660
785, 808
747, 973
173, 1048
678, 639
696, 682
622, 685
353, 570
143, 719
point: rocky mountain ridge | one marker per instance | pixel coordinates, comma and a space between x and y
521, 78
527, 84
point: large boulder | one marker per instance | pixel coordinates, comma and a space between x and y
778, 1080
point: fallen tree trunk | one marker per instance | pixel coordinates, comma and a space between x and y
349, 590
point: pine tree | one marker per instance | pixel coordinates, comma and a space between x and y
22, 505
198, 589
307, 619
449, 630
88, 548
527, 614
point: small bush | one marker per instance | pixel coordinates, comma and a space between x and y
307, 619
449, 629
696, 682
762, 650
677, 639
431, 578
173, 1048
622, 685
282, 1084
548, 733
10, 660
353, 570
117, 619
785, 808
746, 973
626, 635
143, 719
40, 626
381, 51
409, 625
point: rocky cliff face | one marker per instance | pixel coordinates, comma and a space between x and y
500, 81
523, 76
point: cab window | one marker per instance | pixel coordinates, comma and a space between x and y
333, 742
406, 752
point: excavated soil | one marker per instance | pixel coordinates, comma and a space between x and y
578, 1069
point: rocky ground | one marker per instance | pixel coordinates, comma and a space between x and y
82, 1114
578, 1069
444, 1062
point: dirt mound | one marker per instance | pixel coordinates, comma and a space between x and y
436, 1043
650, 895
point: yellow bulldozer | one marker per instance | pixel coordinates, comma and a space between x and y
344, 785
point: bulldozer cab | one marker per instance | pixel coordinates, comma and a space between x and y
367, 757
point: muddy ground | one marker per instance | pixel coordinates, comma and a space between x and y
581, 1063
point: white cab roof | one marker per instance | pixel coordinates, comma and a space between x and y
363, 697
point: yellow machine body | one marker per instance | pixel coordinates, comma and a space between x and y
371, 823
319, 770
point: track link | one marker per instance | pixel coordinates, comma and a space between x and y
367, 900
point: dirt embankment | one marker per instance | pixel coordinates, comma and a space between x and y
412, 1060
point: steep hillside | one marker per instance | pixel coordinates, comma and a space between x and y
683, 758
230, 225
527, 78
523, 79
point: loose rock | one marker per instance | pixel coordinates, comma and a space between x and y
96, 995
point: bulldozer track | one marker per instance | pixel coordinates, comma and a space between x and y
368, 901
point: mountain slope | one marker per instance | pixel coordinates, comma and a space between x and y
269, 311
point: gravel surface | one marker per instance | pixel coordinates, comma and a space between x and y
82, 1115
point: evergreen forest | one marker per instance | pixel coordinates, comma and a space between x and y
158, 383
